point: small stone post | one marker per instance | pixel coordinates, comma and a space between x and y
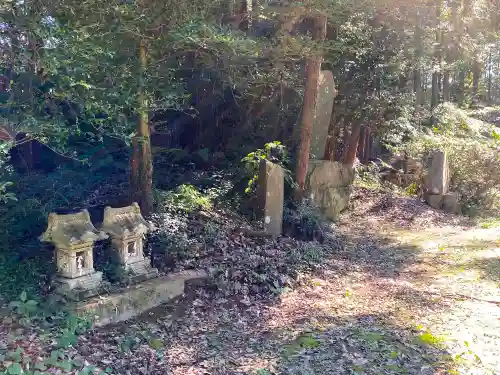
271, 196
127, 228
73, 236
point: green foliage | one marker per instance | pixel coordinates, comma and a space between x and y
276, 153
19, 362
186, 198
24, 306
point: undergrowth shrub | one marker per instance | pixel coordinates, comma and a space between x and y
303, 221
186, 198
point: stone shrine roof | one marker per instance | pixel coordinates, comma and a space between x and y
124, 221
69, 230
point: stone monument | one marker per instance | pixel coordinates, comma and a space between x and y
324, 107
73, 236
322, 115
127, 228
437, 184
437, 180
271, 196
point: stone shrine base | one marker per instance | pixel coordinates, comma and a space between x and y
81, 287
138, 272
137, 299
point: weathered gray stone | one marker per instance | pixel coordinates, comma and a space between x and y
328, 186
434, 200
324, 106
73, 236
451, 203
127, 227
271, 196
137, 298
321, 122
437, 180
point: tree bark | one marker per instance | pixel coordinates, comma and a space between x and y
141, 179
476, 74
352, 144
313, 68
417, 73
489, 76
361, 144
437, 59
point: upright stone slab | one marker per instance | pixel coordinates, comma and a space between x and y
127, 227
73, 236
437, 180
322, 115
324, 106
271, 196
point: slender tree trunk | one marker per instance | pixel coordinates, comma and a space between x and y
476, 75
446, 86
437, 59
489, 77
352, 144
313, 68
417, 73
361, 144
461, 74
141, 179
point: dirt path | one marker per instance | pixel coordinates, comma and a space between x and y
400, 302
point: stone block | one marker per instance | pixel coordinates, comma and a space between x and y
138, 272
451, 203
328, 186
137, 299
434, 200
437, 180
271, 190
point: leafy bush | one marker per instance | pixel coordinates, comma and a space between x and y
274, 152
303, 221
186, 198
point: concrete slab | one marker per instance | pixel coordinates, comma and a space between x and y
137, 299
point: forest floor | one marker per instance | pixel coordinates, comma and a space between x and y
411, 291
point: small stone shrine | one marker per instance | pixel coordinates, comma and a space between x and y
73, 236
127, 228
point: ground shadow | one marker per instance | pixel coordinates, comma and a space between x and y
203, 334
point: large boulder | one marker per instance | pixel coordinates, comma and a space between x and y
328, 186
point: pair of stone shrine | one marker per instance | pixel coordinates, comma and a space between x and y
74, 236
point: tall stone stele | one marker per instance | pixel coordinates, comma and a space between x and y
127, 228
73, 236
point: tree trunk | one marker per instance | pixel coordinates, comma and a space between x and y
313, 68
417, 73
446, 86
476, 74
361, 144
437, 59
489, 77
352, 144
141, 179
